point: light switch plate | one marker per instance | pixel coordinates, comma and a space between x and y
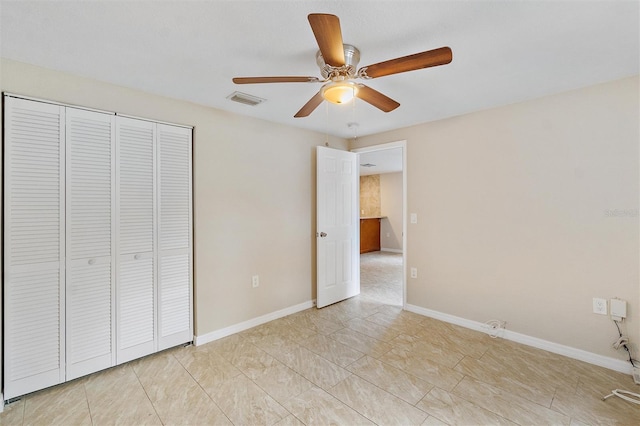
414, 218
414, 272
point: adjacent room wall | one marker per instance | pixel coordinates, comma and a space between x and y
370, 196
254, 195
528, 211
391, 209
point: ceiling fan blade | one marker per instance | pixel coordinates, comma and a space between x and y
310, 106
376, 98
254, 80
326, 29
430, 58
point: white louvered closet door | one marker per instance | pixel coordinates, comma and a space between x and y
34, 246
90, 279
136, 247
175, 297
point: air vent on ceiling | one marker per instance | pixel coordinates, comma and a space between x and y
367, 165
243, 98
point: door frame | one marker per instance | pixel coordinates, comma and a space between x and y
383, 147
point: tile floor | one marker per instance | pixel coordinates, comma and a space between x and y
381, 277
357, 362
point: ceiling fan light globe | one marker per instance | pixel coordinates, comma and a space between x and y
339, 92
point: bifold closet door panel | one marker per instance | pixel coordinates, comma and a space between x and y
175, 236
34, 226
90, 198
136, 199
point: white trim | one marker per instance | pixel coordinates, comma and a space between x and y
62, 104
48, 101
245, 325
557, 348
1, 402
391, 145
135, 117
383, 146
391, 250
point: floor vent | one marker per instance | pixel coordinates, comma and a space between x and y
243, 98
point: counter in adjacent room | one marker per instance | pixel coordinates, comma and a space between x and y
370, 233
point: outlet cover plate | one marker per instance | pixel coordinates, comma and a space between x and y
599, 306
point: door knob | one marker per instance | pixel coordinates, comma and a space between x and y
323, 234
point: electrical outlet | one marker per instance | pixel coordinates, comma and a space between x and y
413, 218
599, 306
414, 272
255, 281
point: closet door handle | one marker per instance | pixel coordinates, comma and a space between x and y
136, 256
92, 261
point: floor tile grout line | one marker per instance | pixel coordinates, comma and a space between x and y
345, 404
452, 392
203, 389
499, 386
84, 388
373, 384
505, 391
146, 393
266, 393
401, 370
260, 387
386, 391
322, 356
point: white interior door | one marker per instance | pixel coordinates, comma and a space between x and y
338, 234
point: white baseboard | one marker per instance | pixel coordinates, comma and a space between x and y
245, 325
1, 402
568, 351
391, 250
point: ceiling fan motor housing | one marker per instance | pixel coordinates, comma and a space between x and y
348, 70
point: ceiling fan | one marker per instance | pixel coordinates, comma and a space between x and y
338, 63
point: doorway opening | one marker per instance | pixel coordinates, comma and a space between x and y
382, 195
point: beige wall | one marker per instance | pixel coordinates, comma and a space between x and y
514, 207
514, 214
254, 195
391, 208
370, 196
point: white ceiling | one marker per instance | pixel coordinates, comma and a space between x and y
380, 162
503, 51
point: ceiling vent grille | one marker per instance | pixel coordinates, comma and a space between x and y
243, 98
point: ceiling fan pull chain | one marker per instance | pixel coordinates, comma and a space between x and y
354, 123
326, 124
